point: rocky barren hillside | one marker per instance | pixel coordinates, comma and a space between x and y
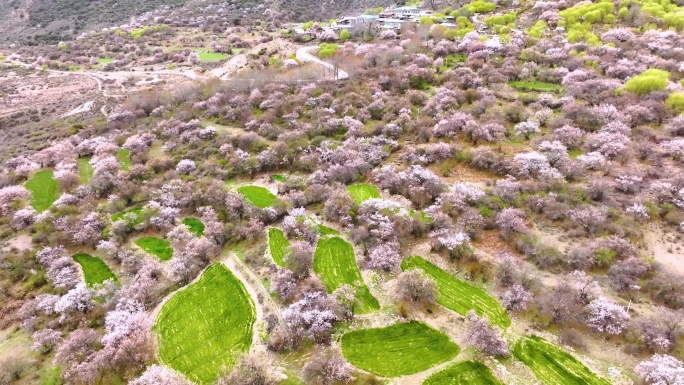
52, 21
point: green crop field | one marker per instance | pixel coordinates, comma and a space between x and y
535, 86
194, 225
94, 269
458, 295
124, 157
205, 327
156, 246
325, 230
466, 372
85, 170
552, 365
258, 196
361, 192
335, 265
397, 350
44, 190
208, 56
105, 60
278, 245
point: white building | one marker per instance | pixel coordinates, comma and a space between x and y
405, 11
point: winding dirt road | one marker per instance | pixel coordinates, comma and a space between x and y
303, 54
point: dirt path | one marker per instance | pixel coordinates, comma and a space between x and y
232, 65
303, 54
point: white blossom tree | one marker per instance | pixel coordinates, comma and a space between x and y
607, 316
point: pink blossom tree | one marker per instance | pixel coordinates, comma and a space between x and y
160, 375
415, 287
484, 337
661, 369
516, 298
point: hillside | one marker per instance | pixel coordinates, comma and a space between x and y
486, 193
52, 21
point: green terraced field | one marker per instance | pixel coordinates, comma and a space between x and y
360, 192
335, 265
397, 350
324, 230
85, 170
205, 327
95, 270
212, 57
124, 157
466, 372
535, 86
552, 365
44, 190
278, 245
458, 295
258, 196
194, 225
156, 246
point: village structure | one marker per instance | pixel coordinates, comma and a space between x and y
393, 18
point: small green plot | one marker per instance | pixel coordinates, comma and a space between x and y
44, 190
467, 372
278, 178
85, 170
458, 295
135, 215
105, 60
156, 246
552, 365
258, 196
94, 269
397, 350
194, 225
335, 265
204, 328
535, 86
212, 57
278, 244
124, 157
361, 192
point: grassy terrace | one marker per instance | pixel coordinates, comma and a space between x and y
335, 265
124, 157
360, 192
85, 170
466, 372
44, 190
458, 295
258, 196
535, 86
552, 365
156, 246
95, 270
204, 328
397, 350
194, 225
278, 245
